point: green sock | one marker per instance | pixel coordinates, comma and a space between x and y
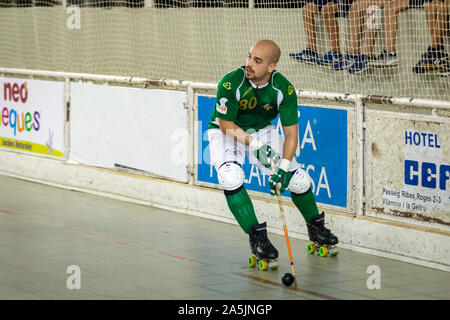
241, 207
306, 203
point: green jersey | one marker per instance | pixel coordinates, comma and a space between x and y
252, 107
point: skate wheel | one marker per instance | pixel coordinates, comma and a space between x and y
273, 265
252, 261
323, 251
311, 248
333, 252
263, 265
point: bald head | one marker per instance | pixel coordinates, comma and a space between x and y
271, 48
262, 61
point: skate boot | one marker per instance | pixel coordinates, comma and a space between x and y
264, 253
323, 241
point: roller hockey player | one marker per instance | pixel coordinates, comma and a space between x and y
248, 99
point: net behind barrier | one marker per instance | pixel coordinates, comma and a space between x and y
203, 40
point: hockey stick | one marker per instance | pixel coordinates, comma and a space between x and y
283, 220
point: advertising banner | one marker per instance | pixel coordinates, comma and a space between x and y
133, 128
322, 152
32, 116
409, 162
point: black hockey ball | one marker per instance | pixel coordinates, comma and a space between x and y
287, 279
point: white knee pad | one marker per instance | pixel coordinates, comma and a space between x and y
230, 176
300, 182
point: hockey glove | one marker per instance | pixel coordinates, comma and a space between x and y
282, 176
264, 153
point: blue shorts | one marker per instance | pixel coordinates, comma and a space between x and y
344, 5
419, 3
321, 3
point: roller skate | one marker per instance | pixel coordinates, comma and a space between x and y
322, 240
264, 253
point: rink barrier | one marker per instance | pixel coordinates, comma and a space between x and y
360, 206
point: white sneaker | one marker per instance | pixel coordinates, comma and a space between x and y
385, 59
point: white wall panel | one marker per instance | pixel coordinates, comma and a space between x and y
137, 128
408, 167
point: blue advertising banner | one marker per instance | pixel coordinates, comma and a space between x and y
322, 152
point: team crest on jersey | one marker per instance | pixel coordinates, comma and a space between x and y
227, 85
267, 107
222, 108
290, 90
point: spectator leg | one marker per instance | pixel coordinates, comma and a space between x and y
437, 17
309, 24
393, 8
331, 24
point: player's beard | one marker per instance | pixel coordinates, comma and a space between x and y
253, 77
249, 73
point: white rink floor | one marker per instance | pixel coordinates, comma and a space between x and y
129, 251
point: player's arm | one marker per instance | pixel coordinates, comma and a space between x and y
290, 142
282, 174
230, 128
289, 121
262, 151
227, 108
